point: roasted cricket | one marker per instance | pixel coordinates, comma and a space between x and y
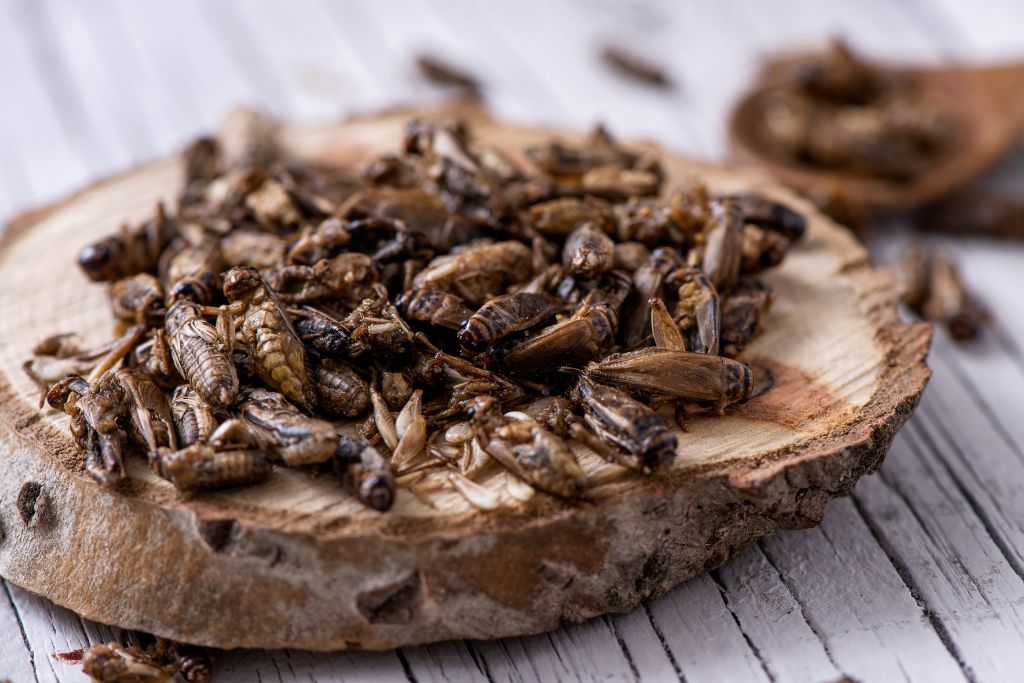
526, 448
440, 309
131, 250
283, 431
633, 66
588, 251
230, 457
933, 288
476, 316
160, 662
339, 388
504, 315
194, 421
683, 374
834, 110
366, 471
138, 299
639, 438
96, 411
279, 358
442, 73
202, 352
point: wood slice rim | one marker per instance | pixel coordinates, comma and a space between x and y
223, 571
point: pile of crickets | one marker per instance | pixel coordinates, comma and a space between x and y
447, 305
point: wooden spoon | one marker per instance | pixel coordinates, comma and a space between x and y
987, 103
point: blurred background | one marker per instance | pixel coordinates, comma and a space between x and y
92, 87
918, 575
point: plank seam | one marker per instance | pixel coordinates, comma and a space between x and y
24, 633
406, 667
914, 447
804, 614
907, 577
1005, 340
986, 409
529, 660
664, 643
478, 660
723, 593
622, 645
558, 655
277, 668
288, 661
1005, 548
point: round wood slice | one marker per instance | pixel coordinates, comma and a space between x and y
297, 562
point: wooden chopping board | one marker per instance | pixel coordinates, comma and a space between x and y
297, 562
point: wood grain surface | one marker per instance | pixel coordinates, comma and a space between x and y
95, 87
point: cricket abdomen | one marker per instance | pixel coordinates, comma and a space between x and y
280, 358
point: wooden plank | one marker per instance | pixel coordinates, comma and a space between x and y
16, 657
562, 48
48, 630
984, 265
97, 81
623, 647
944, 553
149, 117
191, 65
307, 55
978, 30
524, 660
165, 73
220, 76
793, 24
240, 666
370, 47
539, 103
231, 26
648, 655
38, 160
967, 442
711, 75
854, 599
703, 638
443, 663
987, 467
94, 139
771, 619
992, 374
442, 31
243, 666
592, 651
374, 91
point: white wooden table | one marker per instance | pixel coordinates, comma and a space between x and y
919, 576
